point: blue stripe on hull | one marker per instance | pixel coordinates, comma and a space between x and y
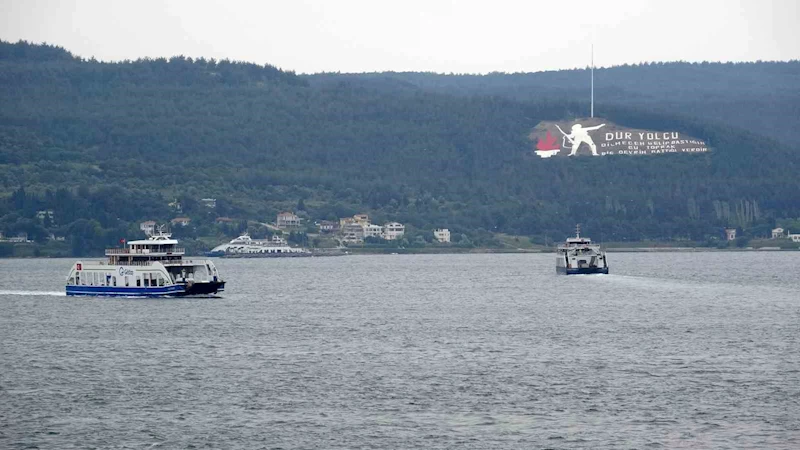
122, 291
581, 271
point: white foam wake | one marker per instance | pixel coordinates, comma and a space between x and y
34, 293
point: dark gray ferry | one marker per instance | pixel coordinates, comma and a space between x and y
578, 256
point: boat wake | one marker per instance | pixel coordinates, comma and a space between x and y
34, 293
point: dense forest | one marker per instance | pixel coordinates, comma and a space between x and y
107, 145
713, 92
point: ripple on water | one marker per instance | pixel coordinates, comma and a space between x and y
440, 351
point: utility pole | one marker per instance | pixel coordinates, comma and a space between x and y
592, 108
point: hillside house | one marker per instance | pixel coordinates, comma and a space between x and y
442, 235
328, 226
18, 239
778, 233
182, 221
371, 230
45, 214
393, 230
287, 219
353, 232
148, 226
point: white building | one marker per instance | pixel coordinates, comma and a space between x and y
46, 213
393, 230
778, 233
371, 230
176, 205
794, 237
327, 226
442, 234
209, 202
19, 238
730, 234
182, 221
287, 219
149, 227
353, 232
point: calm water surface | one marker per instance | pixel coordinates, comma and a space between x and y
686, 350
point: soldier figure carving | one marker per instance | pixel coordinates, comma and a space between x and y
580, 135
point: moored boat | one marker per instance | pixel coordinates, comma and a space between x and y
244, 245
578, 256
152, 267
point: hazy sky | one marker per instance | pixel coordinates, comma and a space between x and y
467, 36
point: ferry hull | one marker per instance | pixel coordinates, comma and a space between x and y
202, 288
581, 270
119, 291
205, 288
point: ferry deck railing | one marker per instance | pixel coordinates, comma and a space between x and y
144, 251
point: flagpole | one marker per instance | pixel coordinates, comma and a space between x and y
592, 108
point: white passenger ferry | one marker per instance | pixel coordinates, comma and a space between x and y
153, 267
244, 245
579, 256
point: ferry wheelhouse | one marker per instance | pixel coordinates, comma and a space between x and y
152, 267
578, 255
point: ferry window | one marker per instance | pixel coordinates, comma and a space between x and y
77, 278
160, 280
71, 281
138, 281
127, 282
114, 280
146, 282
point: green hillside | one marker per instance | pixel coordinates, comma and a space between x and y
713, 92
106, 145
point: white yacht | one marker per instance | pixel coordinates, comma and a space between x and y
152, 267
579, 256
244, 245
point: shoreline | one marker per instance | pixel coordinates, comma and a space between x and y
451, 251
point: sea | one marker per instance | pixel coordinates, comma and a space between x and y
479, 351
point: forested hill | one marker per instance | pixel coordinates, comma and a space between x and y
106, 145
712, 92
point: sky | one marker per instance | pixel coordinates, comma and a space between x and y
444, 36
